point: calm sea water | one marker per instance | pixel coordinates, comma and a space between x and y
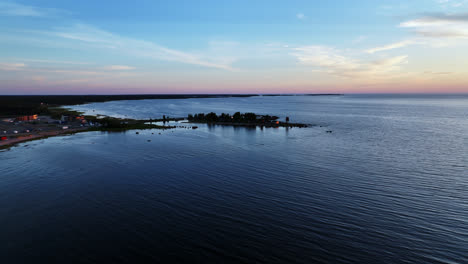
389, 185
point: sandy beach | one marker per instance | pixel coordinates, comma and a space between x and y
23, 138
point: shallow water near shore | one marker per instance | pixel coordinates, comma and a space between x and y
389, 185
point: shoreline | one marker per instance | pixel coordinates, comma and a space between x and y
6, 144
135, 125
268, 125
70, 122
110, 125
11, 105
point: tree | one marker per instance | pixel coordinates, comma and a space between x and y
237, 117
211, 117
250, 117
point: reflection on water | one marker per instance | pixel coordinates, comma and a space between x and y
388, 185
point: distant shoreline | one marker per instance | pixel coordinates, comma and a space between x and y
11, 105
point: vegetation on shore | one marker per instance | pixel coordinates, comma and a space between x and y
11, 105
107, 124
93, 123
239, 119
15, 106
227, 118
115, 124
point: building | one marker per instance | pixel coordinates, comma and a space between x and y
72, 118
26, 118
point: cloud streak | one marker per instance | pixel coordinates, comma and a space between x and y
15, 9
434, 30
119, 68
451, 3
332, 61
12, 66
53, 61
439, 25
391, 46
137, 47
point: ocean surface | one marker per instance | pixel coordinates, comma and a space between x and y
389, 185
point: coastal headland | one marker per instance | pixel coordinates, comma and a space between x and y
25, 118
17, 130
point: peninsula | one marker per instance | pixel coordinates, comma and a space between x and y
239, 119
24, 118
57, 121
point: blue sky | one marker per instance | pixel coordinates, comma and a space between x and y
71, 47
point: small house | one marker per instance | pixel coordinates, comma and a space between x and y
26, 118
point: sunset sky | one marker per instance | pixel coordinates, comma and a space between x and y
242, 46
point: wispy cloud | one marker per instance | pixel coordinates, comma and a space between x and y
119, 68
437, 73
137, 47
16, 9
12, 66
391, 46
437, 20
324, 57
332, 61
73, 72
451, 3
53, 61
439, 25
432, 30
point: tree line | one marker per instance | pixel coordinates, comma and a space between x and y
227, 118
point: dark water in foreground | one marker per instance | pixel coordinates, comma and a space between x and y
389, 185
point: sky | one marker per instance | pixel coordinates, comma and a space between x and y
242, 46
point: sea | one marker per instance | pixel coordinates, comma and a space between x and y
388, 183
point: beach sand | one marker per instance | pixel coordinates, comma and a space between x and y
38, 135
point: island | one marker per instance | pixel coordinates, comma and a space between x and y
242, 119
